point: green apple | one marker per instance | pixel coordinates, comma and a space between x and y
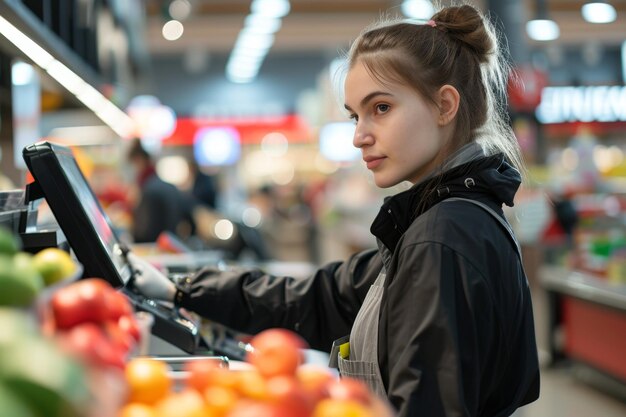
9, 244
19, 280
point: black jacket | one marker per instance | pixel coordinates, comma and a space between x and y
456, 333
160, 209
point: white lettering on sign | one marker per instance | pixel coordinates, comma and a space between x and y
582, 104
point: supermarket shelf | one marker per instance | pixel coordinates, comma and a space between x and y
585, 287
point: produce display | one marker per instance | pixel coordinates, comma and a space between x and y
69, 348
23, 275
276, 384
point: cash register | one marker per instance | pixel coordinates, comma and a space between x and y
91, 236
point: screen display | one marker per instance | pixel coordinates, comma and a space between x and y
77, 211
98, 218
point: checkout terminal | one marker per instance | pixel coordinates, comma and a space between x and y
88, 230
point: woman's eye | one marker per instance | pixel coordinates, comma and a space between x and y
354, 118
382, 108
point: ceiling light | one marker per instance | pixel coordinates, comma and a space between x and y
542, 28
89, 96
599, 12
22, 73
173, 30
418, 9
179, 9
262, 24
270, 8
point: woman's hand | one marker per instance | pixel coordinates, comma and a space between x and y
150, 281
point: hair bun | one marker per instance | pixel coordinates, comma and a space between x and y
466, 24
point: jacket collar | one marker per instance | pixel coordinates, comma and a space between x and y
488, 178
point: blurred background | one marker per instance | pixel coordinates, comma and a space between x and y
237, 105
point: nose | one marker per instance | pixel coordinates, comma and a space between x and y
362, 138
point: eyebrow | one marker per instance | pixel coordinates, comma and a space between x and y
369, 97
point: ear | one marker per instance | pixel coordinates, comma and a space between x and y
448, 104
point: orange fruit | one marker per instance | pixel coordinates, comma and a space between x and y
219, 399
341, 408
136, 410
187, 403
148, 380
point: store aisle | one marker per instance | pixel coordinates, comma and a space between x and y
565, 391
563, 395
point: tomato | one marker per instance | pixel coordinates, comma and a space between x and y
118, 305
89, 342
129, 325
120, 338
80, 302
148, 380
276, 352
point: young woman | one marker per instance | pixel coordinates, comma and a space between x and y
439, 317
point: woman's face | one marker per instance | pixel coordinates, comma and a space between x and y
396, 129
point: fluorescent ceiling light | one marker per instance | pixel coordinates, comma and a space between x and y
262, 24
599, 12
251, 40
72, 82
270, 8
35, 52
542, 30
418, 9
115, 118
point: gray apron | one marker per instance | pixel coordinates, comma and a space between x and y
362, 363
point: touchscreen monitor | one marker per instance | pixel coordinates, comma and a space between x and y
78, 212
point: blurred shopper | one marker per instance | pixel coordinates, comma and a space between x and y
204, 187
160, 206
439, 317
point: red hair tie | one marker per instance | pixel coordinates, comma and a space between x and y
431, 23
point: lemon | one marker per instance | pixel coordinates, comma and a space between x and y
53, 264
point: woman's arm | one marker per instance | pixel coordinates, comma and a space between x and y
321, 307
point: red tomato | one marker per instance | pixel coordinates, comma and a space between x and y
129, 325
118, 337
80, 302
118, 305
89, 342
276, 352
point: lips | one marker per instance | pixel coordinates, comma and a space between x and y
373, 161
